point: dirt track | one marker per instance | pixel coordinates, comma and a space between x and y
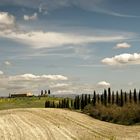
57, 124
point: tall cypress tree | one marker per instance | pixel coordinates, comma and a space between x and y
98, 98
72, 106
105, 97
89, 99
135, 96
117, 98
121, 101
130, 96
139, 96
109, 95
113, 98
78, 102
125, 97
86, 100
102, 99
41, 92
94, 98
82, 102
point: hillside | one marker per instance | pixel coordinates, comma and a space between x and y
58, 124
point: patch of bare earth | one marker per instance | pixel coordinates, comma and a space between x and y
58, 124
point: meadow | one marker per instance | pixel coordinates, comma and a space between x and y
25, 102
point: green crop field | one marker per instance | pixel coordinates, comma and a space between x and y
25, 102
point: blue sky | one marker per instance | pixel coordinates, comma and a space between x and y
69, 46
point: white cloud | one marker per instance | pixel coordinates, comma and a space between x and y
59, 85
7, 63
32, 17
40, 39
1, 72
37, 77
122, 45
103, 84
7, 21
123, 59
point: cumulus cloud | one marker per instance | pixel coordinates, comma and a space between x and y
103, 84
7, 21
123, 59
122, 45
32, 17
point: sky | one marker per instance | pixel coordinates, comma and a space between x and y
69, 46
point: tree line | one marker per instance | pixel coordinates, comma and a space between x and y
106, 98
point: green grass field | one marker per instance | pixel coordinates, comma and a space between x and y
25, 102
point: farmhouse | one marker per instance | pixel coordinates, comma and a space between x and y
21, 95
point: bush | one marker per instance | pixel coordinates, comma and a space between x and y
128, 114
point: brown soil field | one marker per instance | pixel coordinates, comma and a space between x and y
58, 124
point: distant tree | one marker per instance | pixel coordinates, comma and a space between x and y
109, 95
105, 97
139, 96
86, 100
49, 92
78, 102
72, 104
67, 103
98, 98
121, 101
135, 96
94, 98
53, 104
113, 98
102, 99
45, 92
82, 102
89, 99
117, 98
41, 92
130, 96
125, 97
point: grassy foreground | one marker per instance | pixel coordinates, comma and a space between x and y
25, 102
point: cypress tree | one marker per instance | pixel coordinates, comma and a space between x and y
75, 103
130, 96
41, 92
45, 92
121, 101
113, 98
135, 96
78, 102
109, 95
49, 92
117, 98
125, 97
89, 99
86, 100
102, 99
98, 98
139, 96
71, 103
94, 99
67, 103
82, 102
105, 97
